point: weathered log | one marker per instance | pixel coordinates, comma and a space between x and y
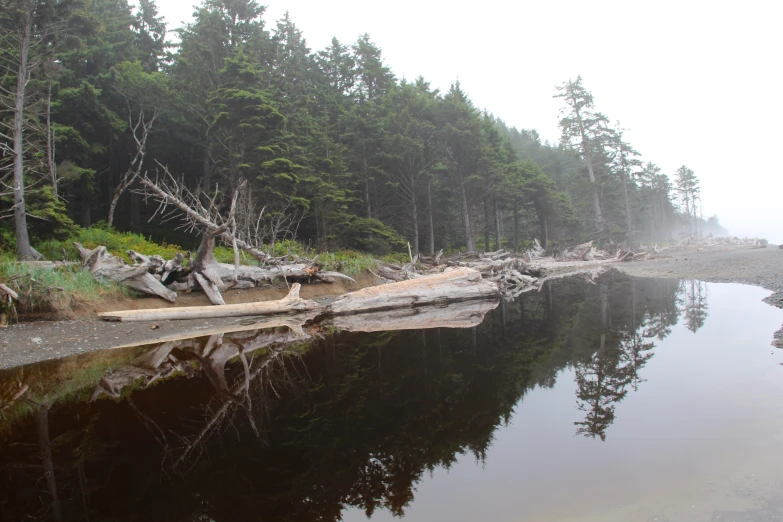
107, 267
8, 291
460, 284
290, 303
153, 263
172, 266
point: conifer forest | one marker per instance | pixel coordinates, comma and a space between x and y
333, 150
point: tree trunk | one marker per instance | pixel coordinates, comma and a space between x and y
45, 449
589, 160
24, 251
432, 221
486, 227
497, 226
516, 228
470, 245
415, 212
118, 190
50, 142
366, 178
84, 199
628, 220
544, 232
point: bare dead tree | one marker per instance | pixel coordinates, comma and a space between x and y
200, 213
140, 130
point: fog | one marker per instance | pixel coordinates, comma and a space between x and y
692, 82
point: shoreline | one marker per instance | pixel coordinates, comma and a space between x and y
37, 341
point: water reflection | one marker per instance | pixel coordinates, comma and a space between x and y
291, 424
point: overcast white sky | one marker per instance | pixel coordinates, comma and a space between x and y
695, 83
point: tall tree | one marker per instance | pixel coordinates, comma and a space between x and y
585, 128
462, 153
625, 162
688, 190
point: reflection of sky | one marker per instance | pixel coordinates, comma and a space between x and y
703, 433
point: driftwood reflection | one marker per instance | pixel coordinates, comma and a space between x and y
298, 421
256, 351
236, 387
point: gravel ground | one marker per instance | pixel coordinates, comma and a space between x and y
43, 340
760, 267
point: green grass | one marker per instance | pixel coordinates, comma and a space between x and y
60, 381
348, 262
117, 243
50, 290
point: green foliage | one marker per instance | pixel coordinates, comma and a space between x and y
371, 235
117, 243
336, 151
50, 290
348, 262
49, 215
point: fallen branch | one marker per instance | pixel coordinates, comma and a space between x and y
107, 267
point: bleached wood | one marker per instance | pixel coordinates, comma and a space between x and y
460, 284
291, 303
107, 267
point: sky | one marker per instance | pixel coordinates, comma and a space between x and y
695, 83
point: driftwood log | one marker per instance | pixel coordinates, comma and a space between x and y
461, 284
291, 303
106, 267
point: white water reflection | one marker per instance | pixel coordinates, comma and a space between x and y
701, 439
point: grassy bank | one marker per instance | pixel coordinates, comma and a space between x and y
46, 291
55, 292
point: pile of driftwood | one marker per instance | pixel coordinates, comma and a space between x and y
164, 278
439, 289
514, 273
156, 276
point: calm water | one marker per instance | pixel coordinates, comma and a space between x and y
630, 399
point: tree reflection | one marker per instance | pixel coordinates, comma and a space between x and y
267, 425
631, 313
695, 304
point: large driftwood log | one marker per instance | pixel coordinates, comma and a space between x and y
289, 304
106, 267
460, 284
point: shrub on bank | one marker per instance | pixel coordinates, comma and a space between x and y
117, 243
44, 290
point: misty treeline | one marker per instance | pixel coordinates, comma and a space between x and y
337, 151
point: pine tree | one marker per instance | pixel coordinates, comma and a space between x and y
586, 129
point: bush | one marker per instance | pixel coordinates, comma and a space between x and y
371, 235
117, 243
348, 262
46, 290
